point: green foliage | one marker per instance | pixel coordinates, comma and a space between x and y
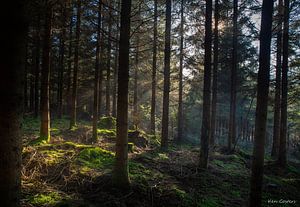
96, 158
46, 199
209, 202
107, 122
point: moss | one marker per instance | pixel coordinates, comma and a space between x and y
95, 158
47, 199
236, 193
209, 202
107, 122
108, 133
163, 156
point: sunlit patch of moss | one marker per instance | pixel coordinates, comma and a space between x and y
96, 158
108, 133
163, 156
55, 156
46, 199
74, 128
209, 202
74, 145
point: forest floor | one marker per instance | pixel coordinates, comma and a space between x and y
70, 171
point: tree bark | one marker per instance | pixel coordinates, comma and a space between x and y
108, 108
154, 60
135, 89
61, 62
165, 115
120, 172
114, 102
206, 115
232, 118
75, 70
276, 126
96, 80
37, 68
45, 77
215, 76
282, 159
180, 104
11, 104
69, 71
263, 80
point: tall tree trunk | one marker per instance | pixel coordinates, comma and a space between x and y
31, 87
45, 77
108, 108
114, 102
96, 80
180, 104
263, 80
61, 61
135, 87
165, 115
153, 93
276, 126
232, 118
26, 79
75, 71
69, 71
120, 173
282, 160
37, 68
11, 106
101, 72
215, 76
206, 116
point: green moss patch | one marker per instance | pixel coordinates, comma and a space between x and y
107, 122
45, 199
96, 158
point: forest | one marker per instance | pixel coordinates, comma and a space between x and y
150, 103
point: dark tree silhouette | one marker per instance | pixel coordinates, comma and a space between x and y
263, 80
120, 172
206, 116
282, 159
11, 104
165, 114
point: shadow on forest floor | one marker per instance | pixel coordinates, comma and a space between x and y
71, 172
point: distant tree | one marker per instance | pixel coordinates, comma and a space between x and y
45, 75
75, 70
11, 104
206, 116
282, 159
120, 172
263, 80
166, 90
